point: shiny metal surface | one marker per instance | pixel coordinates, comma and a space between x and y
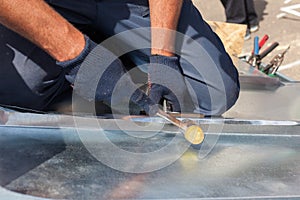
256, 154
263, 161
282, 103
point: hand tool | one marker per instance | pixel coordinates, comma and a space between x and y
256, 52
274, 64
262, 42
268, 50
277, 60
192, 132
256, 45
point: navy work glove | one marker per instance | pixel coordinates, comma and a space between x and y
108, 80
166, 81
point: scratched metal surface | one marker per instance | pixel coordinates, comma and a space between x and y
53, 163
256, 154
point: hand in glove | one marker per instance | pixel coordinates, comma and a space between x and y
108, 80
166, 81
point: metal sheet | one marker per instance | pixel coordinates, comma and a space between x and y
53, 163
280, 104
253, 153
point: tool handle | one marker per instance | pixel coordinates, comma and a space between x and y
263, 41
256, 45
268, 50
171, 119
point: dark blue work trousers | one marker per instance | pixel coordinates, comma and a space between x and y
29, 77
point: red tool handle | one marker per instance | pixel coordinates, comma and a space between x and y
263, 41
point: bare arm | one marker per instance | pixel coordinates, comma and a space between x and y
38, 22
164, 14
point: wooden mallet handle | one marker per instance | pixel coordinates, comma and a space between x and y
192, 132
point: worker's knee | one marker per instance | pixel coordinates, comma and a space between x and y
223, 99
213, 100
230, 96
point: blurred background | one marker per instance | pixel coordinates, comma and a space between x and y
280, 19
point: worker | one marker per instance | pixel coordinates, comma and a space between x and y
39, 64
242, 12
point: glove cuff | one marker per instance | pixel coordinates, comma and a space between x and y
171, 61
72, 66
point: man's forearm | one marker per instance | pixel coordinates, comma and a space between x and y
164, 14
38, 22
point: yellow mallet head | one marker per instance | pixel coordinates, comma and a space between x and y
194, 134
